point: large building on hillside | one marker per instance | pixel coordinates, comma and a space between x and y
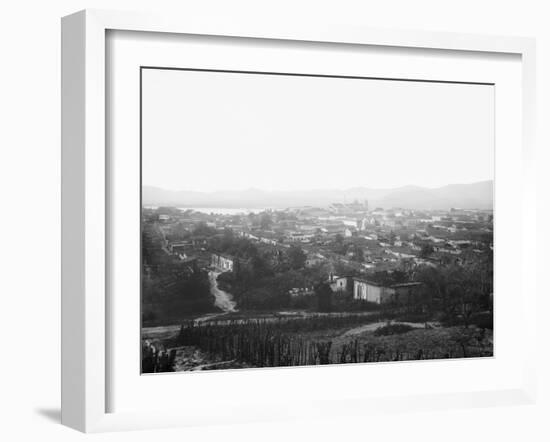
382, 294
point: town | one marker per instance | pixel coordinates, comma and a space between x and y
409, 269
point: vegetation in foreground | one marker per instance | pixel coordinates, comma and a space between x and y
322, 340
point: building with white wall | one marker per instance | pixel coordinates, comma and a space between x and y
382, 294
222, 262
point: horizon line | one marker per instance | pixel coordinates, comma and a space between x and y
317, 189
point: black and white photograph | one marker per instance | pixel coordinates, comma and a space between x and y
275, 221
243, 221
355, 226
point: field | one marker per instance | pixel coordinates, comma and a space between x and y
270, 341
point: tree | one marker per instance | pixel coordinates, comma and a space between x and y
340, 246
407, 265
168, 211
260, 266
178, 232
358, 254
459, 292
227, 240
389, 277
202, 229
324, 297
296, 257
265, 221
440, 289
426, 250
474, 290
341, 268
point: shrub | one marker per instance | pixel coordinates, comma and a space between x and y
148, 314
392, 329
414, 317
483, 320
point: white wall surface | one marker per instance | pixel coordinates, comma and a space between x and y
30, 220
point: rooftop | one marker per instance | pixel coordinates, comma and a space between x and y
378, 284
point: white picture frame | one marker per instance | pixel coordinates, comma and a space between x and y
85, 215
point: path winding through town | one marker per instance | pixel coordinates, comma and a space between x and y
224, 300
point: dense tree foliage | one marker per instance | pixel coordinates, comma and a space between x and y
426, 250
324, 297
265, 221
296, 257
171, 288
202, 229
458, 292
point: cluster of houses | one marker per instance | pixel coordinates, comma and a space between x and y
351, 234
362, 289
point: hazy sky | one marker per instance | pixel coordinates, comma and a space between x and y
218, 131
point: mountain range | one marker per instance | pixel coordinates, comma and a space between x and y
477, 195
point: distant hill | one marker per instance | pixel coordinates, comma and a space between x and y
469, 196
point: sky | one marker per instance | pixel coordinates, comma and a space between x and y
210, 131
